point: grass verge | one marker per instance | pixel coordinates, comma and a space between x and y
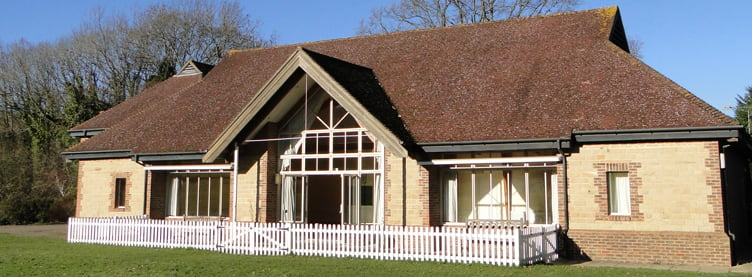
41, 256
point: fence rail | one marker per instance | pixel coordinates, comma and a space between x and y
497, 245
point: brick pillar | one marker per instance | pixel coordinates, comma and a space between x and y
267, 207
434, 195
157, 194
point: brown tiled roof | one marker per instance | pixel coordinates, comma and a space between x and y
139, 103
530, 78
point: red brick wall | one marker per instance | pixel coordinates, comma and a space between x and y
713, 180
694, 248
635, 182
157, 191
267, 202
128, 192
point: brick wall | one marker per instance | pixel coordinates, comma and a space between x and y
267, 188
409, 193
601, 197
96, 188
248, 182
694, 248
157, 194
675, 193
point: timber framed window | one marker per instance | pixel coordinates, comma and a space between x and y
331, 167
198, 194
119, 193
618, 193
519, 194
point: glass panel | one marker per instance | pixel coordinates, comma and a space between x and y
368, 145
618, 188
192, 196
488, 196
339, 143
203, 199
296, 165
369, 163
182, 190
198, 195
464, 196
537, 213
225, 196
351, 163
517, 191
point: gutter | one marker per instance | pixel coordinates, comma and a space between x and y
101, 154
173, 156
657, 134
496, 145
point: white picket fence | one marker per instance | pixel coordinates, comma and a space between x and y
496, 245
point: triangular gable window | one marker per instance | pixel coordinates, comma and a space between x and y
330, 159
333, 142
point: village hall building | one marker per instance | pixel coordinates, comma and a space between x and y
531, 121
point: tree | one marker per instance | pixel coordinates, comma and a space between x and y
47, 88
635, 48
743, 108
420, 14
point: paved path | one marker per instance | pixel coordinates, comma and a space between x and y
37, 230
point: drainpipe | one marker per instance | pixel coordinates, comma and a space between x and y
235, 183
724, 201
565, 183
146, 190
146, 183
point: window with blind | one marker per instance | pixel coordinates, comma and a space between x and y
618, 193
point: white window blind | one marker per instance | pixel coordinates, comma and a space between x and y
618, 190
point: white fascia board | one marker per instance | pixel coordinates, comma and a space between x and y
511, 160
188, 167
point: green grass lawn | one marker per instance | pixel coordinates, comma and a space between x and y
42, 256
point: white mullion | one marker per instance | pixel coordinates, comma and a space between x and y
303, 150
340, 130
340, 120
331, 114
187, 189
331, 149
208, 198
496, 197
198, 195
335, 155
509, 195
322, 121
474, 201
545, 194
344, 151
360, 151
333, 172
527, 196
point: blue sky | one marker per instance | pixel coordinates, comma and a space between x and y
701, 45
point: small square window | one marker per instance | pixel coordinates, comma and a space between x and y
119, 192
618, 193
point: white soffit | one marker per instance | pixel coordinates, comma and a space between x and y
501, 160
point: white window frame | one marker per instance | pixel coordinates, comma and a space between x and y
366, 158
210, 179
619, 198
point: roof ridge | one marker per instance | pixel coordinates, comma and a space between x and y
608, 12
